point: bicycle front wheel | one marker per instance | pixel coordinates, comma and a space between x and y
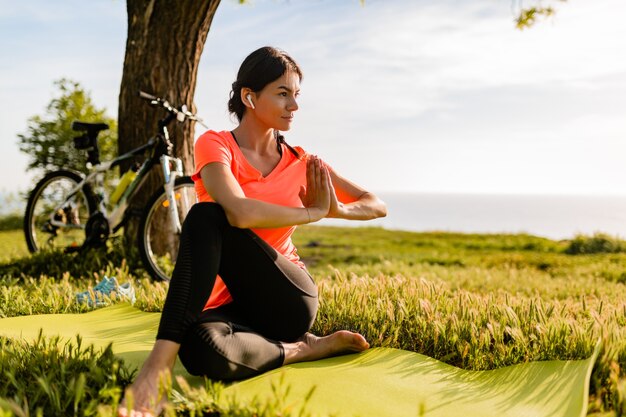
55, 218
158, 240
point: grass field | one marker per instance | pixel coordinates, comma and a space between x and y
474, 301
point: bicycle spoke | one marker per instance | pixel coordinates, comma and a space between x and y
54, 220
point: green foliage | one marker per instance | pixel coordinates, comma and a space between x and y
475, 301
48, 140
11, 221
528, 17
12, 245
54, 377
56, 263
598, 243
59, 379
80, 264
477, 331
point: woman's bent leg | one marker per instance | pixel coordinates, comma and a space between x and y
195, 271
228, 351
220, 346
277, 298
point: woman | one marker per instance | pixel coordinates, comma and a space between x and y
240, 301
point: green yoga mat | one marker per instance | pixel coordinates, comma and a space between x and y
379, 382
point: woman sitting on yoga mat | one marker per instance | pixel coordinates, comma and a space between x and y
240, 301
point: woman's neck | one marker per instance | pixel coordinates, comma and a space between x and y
254, 137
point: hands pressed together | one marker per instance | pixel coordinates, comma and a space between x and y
319, 197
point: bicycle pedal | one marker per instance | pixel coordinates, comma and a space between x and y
50, 229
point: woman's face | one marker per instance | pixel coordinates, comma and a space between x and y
276, 103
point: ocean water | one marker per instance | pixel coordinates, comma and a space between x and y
555, 217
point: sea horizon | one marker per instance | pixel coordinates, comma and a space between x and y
558, 216
554, 216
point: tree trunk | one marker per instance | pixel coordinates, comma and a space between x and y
163, 49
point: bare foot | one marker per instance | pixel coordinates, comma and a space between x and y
311, 347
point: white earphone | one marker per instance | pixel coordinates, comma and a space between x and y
250, 101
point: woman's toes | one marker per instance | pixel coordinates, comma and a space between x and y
359, 342
363, 342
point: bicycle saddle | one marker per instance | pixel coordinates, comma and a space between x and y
89, 127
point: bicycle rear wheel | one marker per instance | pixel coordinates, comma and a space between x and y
158, 241
54, 218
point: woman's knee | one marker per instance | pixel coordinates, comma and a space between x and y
203, 217
204, 352
296, 318
199, 354
203, 211
307, 316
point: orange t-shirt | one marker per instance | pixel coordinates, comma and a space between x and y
281, 186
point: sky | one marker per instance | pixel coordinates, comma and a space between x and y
430, 96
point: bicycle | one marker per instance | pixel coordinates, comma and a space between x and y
72, 211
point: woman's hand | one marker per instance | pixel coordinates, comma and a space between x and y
351, 202
336, 209
316, 198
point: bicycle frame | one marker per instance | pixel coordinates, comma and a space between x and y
172, 168
170, 176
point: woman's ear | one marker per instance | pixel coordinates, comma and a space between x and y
248, 97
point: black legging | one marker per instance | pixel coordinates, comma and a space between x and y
274, 300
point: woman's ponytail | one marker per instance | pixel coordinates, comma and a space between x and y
280, 139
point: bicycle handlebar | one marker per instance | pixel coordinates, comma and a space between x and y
181, 113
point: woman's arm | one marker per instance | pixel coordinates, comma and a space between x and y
363, 204
245, 213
